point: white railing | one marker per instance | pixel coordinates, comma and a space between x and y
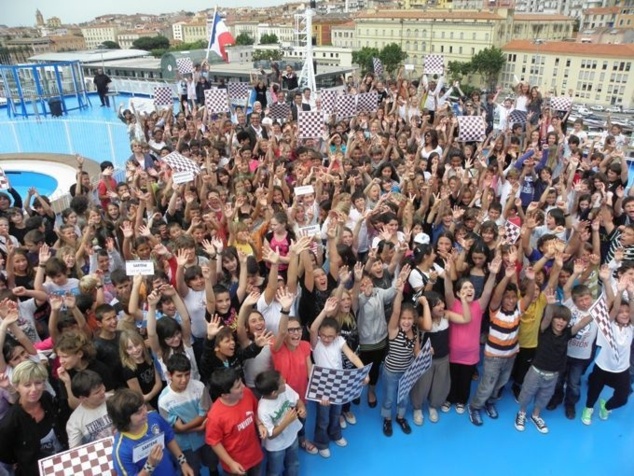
140, 87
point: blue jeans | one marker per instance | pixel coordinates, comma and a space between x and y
390, 394
495, 373
575, 368
327, 426
203, 456
284, 462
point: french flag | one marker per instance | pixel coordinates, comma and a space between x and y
220, 37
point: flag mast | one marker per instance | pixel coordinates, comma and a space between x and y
211, 33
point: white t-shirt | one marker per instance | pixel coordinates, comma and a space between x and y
607, 360
260, 363
329, 356
196, 304
86, 425
271, 412
580, 346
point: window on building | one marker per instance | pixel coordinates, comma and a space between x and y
567, 63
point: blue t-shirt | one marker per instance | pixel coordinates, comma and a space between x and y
124, 445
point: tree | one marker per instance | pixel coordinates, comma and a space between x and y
149, 43
392, 56
244, 39
270, 55
459, 69
363, 58
489, 63
269, 39
110, 45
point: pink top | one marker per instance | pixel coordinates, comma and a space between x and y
464, 339
282, 246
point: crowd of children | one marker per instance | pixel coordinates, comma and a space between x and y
399, 235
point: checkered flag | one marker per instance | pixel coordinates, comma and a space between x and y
4, 180
601, 315
517, 117
328, 99
346, 106
180, 163
184, 65
471, 128
378, 66
434, 64
310, 124
239, 90
417, 368
163, 96
367, 102
86, 460
216, 101
279, 110
511, 232
561, 103
337, 385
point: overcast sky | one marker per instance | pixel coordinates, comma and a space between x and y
22, 12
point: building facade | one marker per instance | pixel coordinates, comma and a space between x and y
595, 73
195, 31
342, 36
97, 34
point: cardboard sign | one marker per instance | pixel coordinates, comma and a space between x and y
409, 67
309, 230
304, 190
142, 267
142, 450
183, 177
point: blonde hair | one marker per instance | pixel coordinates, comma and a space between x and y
87, 284
29, 371
135, 338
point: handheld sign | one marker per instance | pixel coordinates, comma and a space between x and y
409, 67
183, 177
142, 450
142, 267
304, 190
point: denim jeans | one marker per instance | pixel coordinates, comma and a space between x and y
203, 456
575, 368
390, 394
495, 373
327, 426
284, 462
538, 385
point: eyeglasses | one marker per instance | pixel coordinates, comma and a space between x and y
294, 330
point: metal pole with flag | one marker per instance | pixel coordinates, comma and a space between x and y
220, 37
211, 32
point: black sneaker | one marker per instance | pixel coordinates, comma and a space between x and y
491, 410
357, 401
570, 412
387, 427
402, 422
474, 415
553, 404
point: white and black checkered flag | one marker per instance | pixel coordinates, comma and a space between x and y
310, 124
601, 315
346, 106
180, 163
279, 110
517, 117
4, 180
337, 385
239, 90
434, 64
511, 232
561, 103
471, 128
184, 65
417, 368
367, 102
328, 99
163, 96
216, 101
85, 460
378, 66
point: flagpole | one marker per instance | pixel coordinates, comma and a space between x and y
211, 33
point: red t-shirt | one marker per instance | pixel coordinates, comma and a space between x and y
235, 427
102, 189
292, 365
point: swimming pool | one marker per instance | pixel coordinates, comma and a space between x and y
23, 180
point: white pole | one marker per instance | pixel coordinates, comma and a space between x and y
213, 21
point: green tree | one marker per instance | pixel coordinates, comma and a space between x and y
110, 45
392, 56
150, 43
244, 39
489, 63
269, 39
363, 58
459, 69
270, 55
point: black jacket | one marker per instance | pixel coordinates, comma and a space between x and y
210, 362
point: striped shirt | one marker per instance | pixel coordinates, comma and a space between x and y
503, 333
400, 354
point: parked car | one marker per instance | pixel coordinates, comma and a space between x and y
583, 111
597, 108
628, 111
613, 109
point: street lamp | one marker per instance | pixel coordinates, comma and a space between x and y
537, 42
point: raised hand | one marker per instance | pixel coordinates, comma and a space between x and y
214, 326
182, 256
284, 298
263, 339
44, 254
251, 299
331, 305
56, 302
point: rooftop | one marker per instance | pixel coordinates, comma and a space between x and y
428, 15
573, 49
541, 17
602, 11
89, 56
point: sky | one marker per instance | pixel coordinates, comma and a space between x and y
22, 12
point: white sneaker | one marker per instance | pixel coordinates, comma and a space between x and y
350, 418
433, 415
342, 422
418, 417
341, 442
460, 408
445, 407
325, 453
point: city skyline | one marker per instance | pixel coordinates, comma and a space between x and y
23, 13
